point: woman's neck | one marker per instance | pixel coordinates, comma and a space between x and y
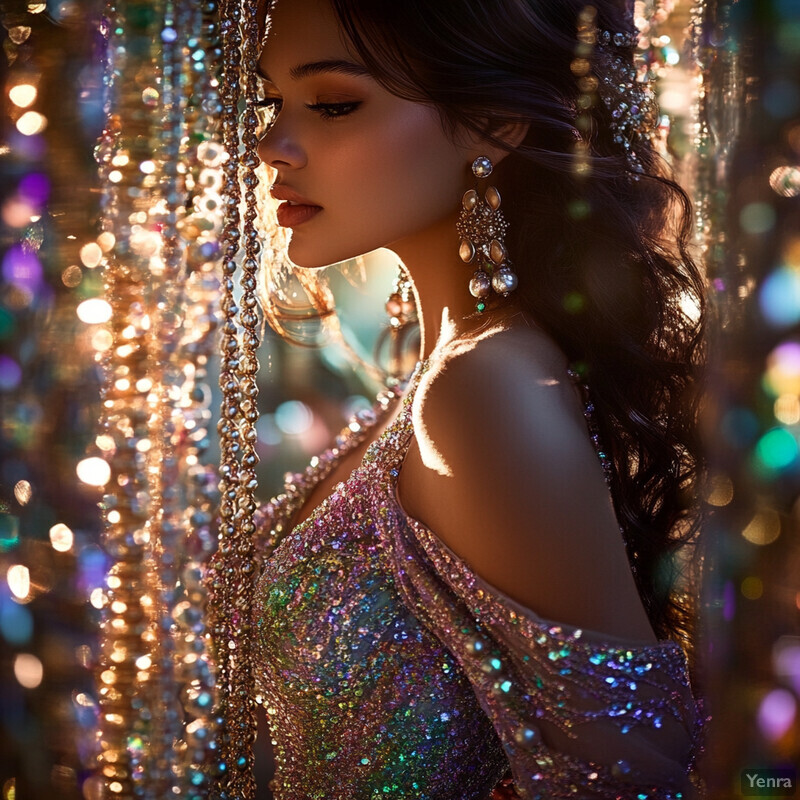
441, 281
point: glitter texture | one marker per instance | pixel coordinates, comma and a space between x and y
388, 668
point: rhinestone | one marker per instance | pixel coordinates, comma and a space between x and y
482, 167
527, 736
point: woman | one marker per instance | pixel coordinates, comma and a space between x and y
453, 602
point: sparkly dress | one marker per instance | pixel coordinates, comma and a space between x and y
389, 669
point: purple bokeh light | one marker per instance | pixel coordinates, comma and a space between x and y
22, 269
34, 188
10, 373
776, 713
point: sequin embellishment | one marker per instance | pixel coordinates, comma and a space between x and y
389, 669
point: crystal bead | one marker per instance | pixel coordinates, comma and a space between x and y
493, 198
497, 252
482, 167
480, 285
470, 200
504, 281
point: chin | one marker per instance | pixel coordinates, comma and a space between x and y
306, 258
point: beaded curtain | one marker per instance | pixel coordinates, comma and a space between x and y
151, 271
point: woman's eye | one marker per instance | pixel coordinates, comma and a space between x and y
334, 110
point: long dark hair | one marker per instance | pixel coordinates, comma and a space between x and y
610, 286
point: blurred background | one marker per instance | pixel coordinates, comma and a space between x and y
730, 95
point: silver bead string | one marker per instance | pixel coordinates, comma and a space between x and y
234, 564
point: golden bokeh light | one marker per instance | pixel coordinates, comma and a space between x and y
93, 471
28, 670
31, 123
22, 95
61, 538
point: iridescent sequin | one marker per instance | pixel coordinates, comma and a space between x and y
390, 669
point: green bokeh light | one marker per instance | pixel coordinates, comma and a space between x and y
777, 449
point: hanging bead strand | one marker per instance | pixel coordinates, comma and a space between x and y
228, 601
126, 505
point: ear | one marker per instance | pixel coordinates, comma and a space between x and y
511, 135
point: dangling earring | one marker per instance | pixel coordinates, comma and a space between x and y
401, 306
482, 228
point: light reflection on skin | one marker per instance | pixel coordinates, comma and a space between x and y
448, 347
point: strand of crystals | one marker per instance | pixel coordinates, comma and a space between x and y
166, 531
234, 566
248, 482
126, 503
717, 124
157, 404
220, 614
201, 230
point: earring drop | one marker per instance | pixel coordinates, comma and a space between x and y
482, 228
402, 330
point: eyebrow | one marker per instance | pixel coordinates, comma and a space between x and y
339, 66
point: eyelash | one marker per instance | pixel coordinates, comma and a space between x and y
325, 110
333, 110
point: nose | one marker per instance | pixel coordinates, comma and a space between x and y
280, 147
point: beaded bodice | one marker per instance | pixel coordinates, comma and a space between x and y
389, 669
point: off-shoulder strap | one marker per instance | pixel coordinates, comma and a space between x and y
571, 707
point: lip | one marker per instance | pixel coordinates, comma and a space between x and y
295, 209
292, 215
281, 192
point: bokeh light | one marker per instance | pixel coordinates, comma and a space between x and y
720, 491
752, 587
16, 622
94, 311
19, 581
94, 471
782, 375
72, 276
779, 296
10, 373
23, 492
757, 218
91, 255
785, 181
31, 123
22, 268
22, 95
777, 450
293, 417
776, 713
764, 528
28, 670
61, 538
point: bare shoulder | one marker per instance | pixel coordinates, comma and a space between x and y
503, 470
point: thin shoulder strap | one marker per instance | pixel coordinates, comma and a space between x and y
389, 450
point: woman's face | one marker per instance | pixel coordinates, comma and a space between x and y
357, 167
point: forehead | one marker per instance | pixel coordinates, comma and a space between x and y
301, 31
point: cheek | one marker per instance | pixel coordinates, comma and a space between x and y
407, 170
419, 171
384, 181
